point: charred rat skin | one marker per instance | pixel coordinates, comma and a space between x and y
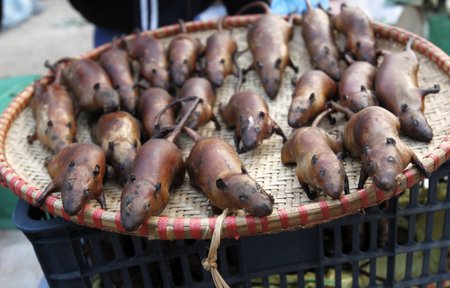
372, 135
77, 171
183, 51
53, 110
314, 152
115, 62
318, 36
220, 48
152, 57
215, 167
356, 88
248, 113
398, 91
201, 88
268, 40
157, 167
150, 103
310, 96
357, 28
91, 86
118, 134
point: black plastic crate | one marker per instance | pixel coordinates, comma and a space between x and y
403, 242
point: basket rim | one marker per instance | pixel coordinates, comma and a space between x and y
170, 228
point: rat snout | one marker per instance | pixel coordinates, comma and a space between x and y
425, 134
263, 209
72, 205
108, 100
250, 143
272, 90
295, 117
179, 75
358, 105
384, 182
132, 213
160, 79
217, 81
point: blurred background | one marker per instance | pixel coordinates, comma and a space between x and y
33, 31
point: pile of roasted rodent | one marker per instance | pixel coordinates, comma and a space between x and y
106, 89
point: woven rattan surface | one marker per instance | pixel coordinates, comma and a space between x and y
263, 163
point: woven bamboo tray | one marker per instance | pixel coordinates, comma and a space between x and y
188, 215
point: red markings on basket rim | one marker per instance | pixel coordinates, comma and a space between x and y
178, 228
264, 224
118, 222
284, 219
251, 224
231, 227
325, 208
364, 198
195, 228
97, 218
162, 227
303, 214
344, 203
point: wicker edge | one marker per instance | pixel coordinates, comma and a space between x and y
167, 228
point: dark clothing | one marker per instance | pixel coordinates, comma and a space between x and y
125, 15
1, 13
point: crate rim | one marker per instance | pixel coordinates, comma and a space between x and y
170, 228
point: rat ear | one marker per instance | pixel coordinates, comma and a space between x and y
366, 149
220, 184
243, 170
111, 145
96, 171
390, 141
405, 107
277, 63
157, 187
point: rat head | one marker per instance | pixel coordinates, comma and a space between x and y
197, 117
383, 163
80, 184
157, 76
179, 70
137, 202
361, 99
215, 71
365, 51
128, 98
329, 173
300, 111
121, 155
106, 98
326, 61
241, 190
61, 134
252, 129
270, 74
415, 125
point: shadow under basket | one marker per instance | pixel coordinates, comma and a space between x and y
403, 242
